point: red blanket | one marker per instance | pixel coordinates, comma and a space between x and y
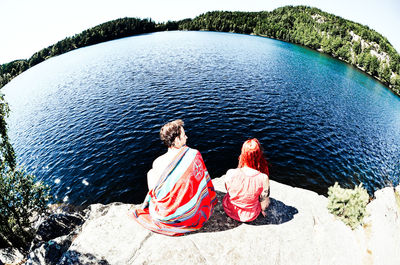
183, 199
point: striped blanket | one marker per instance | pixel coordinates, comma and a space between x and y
183, 199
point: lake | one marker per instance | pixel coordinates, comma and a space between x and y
87, 122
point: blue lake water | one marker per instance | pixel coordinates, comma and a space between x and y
87, 122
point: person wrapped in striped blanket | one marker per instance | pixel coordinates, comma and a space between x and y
181, 195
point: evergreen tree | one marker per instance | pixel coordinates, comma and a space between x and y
357, 47
326, 45
384, 72
20, 195
344, 52
373, 65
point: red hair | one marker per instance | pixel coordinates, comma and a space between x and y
252, 156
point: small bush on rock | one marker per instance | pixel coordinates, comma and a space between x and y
349, 205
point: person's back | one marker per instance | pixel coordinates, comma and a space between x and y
244, 187
181, 195
248, 185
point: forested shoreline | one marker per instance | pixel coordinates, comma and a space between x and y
351, 42
115, 29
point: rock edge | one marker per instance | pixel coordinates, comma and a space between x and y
298, 229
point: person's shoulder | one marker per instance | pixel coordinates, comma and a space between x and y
264, 179
159, 160
262, 176
231, 173
194, 151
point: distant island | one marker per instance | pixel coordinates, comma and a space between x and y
348, 41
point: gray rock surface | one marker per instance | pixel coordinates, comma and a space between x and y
10, 256
55, 235
298, 229
382, 227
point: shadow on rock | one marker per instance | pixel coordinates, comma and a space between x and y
58, 225
55, 235
219, 221
277, 213
74, 257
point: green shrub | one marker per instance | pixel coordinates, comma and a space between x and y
21, 197
349, 205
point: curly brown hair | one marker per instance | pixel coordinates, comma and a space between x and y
170, 131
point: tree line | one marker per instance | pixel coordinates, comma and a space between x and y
111, 30
351, 42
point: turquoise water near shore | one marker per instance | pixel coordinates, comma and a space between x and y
87, 122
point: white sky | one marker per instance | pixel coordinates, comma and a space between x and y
27, 26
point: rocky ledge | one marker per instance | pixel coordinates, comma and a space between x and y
298, 229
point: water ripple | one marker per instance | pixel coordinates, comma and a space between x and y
87, 122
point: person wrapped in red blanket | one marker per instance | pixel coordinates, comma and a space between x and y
181, 195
